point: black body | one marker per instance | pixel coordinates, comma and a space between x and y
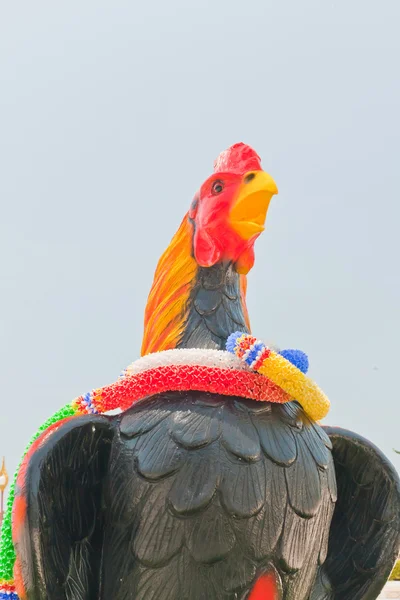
193, 496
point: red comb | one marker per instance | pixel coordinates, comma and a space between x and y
239, 159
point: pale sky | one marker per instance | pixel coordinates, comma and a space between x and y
111, 114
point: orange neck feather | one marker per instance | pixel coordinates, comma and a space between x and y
168, 301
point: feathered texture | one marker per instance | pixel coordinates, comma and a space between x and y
170, 300
167, 305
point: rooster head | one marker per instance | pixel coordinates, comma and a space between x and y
216, 236
228, 213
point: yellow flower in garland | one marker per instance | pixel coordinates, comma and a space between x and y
286, 369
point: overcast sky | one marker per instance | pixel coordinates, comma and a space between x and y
111, 116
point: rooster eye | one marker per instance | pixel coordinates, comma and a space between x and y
217, 187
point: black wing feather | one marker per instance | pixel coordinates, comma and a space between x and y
364, 539
63, 534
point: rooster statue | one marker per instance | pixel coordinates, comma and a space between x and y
215, 480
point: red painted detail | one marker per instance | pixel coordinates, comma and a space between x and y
265, 588
19, 581
18, 515
246, 260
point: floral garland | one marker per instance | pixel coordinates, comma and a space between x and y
247, 369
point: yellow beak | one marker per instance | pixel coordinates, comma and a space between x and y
248, 214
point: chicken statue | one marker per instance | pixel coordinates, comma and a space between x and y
215, 480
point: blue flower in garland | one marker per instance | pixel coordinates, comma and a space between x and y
298, 358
